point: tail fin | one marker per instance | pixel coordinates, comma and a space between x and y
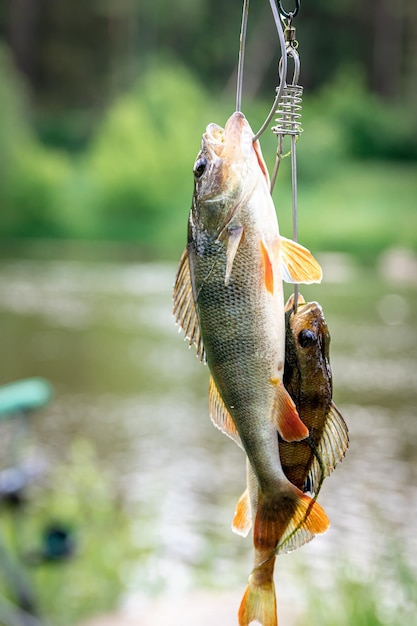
258, 604
280, 516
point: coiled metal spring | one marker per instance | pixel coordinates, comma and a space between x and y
288, 120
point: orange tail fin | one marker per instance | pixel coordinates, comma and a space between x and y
258, 604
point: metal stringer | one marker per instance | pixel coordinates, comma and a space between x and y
288, 122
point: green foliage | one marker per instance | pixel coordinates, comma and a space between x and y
141, 157
32, 177
133, 181
81, 495
389, 599
372, 128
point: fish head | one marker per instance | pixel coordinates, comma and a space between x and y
226, 170
308, 343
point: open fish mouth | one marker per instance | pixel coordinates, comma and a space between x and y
234, 141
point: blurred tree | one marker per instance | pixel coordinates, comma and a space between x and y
79, 55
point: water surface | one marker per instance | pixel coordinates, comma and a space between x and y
103, 334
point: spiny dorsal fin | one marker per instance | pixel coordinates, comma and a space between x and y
298, 264
330, 450
184, 308
220, 415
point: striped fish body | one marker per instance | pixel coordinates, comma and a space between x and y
228, 299
308, 379
241, 321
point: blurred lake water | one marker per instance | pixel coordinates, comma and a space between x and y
103, 334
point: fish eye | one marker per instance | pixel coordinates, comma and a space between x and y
200, 167
307, 338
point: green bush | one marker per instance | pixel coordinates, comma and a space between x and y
384, 597
141, 159
32, 177
372, 128
81, 496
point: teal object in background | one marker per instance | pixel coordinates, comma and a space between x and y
24, 395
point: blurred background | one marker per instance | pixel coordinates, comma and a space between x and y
102, 107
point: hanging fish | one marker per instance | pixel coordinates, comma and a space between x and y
228, 298
308, 379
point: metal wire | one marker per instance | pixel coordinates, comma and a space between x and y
293, 13
282, 70
288, 123
242, 42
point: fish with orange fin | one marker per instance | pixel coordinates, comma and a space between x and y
308, 379
228, 299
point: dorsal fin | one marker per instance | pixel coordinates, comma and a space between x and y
330, 450
184, 308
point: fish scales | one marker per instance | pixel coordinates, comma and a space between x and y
308, 379
228, 299
238, 349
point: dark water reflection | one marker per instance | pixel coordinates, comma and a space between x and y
104, 336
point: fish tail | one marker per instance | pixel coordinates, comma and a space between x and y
259, 602
283, 514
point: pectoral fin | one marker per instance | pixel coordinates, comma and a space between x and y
184, 308
268, 268
286, 418
234, 235
220, 415
298, 264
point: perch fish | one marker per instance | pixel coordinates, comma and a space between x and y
308, 379
228, 299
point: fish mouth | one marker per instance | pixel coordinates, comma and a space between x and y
238, 137
310, 316
233, 142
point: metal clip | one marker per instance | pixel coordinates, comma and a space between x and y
289, 15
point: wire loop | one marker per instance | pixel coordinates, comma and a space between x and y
289, 15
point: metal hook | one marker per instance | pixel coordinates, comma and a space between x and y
291, 15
